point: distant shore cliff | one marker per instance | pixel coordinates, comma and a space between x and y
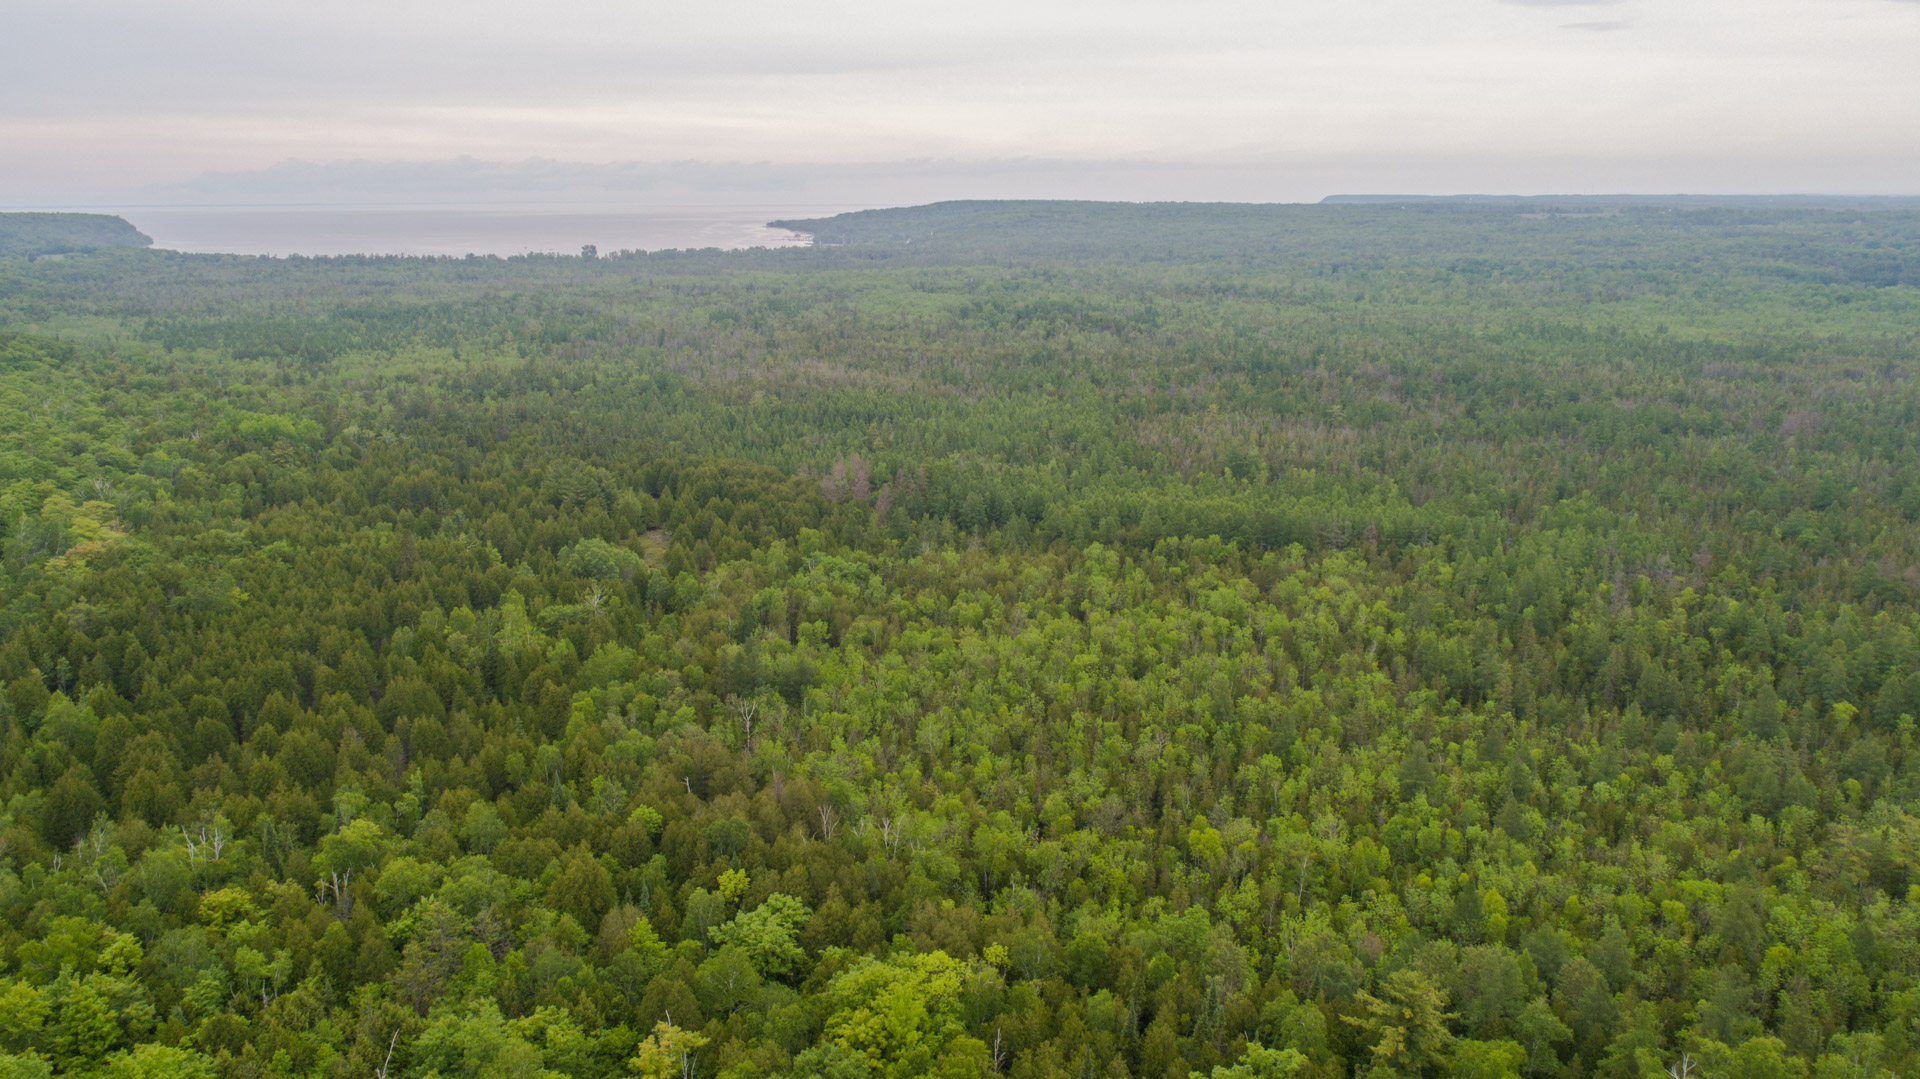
55, 234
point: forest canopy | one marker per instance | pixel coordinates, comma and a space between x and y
1337, 641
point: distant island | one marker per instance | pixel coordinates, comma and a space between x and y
34, 234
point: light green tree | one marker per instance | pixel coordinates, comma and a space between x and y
1486, 1060
1406, 1024
596, 558
768, 934
898, 1018
1259, 1062
1755, 1058
1854, 1056
157, 1062
726, 980
479, 1042
27, 1065
667, 1053
84, 1030
346, 852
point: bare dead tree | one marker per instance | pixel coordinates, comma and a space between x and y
336, 883
381, 1071
743, 714
206, 842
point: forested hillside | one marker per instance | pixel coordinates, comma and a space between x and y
52, 234
1314, 641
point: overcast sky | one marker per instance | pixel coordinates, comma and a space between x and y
1279, 99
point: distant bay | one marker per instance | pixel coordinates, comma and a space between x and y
285, 231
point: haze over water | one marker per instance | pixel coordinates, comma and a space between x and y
458, 232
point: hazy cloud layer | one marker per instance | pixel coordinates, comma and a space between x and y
106, 98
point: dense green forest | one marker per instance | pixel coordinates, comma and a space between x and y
35, 234
1038, 640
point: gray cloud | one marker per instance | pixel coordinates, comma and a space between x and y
105, 97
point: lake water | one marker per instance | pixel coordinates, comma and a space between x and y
354, 231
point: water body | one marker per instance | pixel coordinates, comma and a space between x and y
457, 232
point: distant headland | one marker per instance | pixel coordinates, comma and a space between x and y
34, 234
